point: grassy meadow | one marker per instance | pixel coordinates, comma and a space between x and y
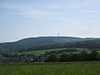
40, 52
69, 68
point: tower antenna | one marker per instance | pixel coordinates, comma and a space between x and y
58, 34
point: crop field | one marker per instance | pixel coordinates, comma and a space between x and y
68, 68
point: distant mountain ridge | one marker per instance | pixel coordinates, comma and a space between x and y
38, 42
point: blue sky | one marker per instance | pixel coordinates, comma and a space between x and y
32, 18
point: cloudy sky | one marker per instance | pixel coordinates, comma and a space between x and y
31, 18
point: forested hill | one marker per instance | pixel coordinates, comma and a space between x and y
88, 43
36, 42
48, 42
94, 43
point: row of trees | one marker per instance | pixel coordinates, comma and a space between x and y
64, 57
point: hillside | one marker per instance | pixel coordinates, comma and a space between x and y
36, 42
86, 43
49, 42
94, 43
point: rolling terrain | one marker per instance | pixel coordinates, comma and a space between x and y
45, 43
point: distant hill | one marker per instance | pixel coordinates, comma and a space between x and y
93, 43
34, 43
86, 43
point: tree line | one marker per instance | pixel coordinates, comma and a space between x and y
52, 56
64, 57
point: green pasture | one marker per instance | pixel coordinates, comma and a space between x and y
69, 68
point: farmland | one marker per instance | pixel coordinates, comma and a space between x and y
61, 68
39, 52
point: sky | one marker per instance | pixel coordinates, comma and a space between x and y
34, 18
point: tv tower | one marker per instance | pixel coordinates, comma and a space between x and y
58, 35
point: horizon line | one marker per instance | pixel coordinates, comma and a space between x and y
49, 36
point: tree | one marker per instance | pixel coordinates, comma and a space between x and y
63, 57
83, 55
93, 55
52, 57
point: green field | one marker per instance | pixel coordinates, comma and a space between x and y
40, 52
69, 68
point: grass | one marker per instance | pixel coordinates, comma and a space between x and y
69, 68
40, 52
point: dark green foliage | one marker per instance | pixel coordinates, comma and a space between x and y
64, 57
51, 57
